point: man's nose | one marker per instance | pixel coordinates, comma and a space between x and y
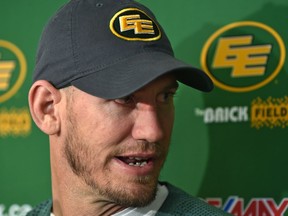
148, 125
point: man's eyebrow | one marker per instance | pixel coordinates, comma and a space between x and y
172, 85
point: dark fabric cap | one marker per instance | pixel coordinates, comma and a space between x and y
109, 48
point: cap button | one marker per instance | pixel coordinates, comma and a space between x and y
99, 4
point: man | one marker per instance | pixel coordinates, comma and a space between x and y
103, 91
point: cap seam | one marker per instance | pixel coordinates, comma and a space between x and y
73, 40
64, 83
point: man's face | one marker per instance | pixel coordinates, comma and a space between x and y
118, 147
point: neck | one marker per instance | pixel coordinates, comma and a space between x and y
85, 207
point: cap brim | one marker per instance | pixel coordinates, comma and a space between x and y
125, 77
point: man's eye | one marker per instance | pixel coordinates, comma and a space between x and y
125, 100
166, 97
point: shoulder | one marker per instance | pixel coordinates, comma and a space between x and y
43, 209
179, 203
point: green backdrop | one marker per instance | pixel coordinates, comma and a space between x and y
228, 147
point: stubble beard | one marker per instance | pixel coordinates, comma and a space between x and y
77, 153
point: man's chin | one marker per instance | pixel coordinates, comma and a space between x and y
132, 194
140, 197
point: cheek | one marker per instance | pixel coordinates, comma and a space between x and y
105, 126
167, 120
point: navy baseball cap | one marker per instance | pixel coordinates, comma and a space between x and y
109, 48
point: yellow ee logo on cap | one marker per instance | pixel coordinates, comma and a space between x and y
133, 24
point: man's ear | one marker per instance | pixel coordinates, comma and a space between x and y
43, 101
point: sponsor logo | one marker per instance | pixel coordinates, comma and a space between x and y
12, 69
133, 24
14, 210
256, 206
224, 114
15, 122
270, 112
238, 57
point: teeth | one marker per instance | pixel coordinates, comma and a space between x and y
143, 163
138, 164
134, 161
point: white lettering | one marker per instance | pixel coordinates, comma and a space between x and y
2, 208
225, 114
243, 114
15, 210
208, 115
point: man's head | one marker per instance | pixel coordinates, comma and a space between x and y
116, 147
103, 90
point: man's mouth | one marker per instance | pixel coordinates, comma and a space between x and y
135, 161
